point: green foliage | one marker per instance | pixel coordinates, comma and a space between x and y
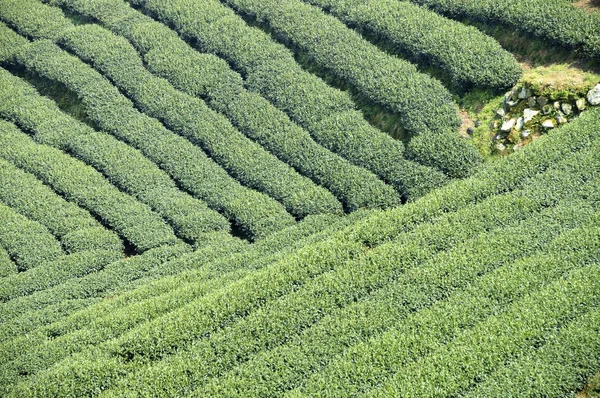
254, 213
304, 97
469, 57
7, 267
524, 326
70, 223
422, 102
126, 167
573, 352
555, 20
28, 243
112, 278
186, 115
53, 273
9, 43
84, 186
449, 152
486, 286
252, 114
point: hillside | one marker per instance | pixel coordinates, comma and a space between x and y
266, 198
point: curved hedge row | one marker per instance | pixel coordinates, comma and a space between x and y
469, 57
113, 278
83, 185
126, 167
206, 274
218, 353
255, 213
27, 242
303, 96
325, 342
194, 364
564, 178
506, 174
30, 197
252, 114
272, 70
556, 20
469, 301
53, 273
424, 105
309, 279
190, 117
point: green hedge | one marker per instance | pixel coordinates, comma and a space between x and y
556, 20
188, 116
574, 355
98, 284
328, 291
423, 104
267, 63
469, 57
27, 23
91, 239
254, 213
220, 352
28, 243
438, 153
458, 305
504, 175
528, 323
7, 267
303, 96
53, 273
252, 114
84, 186
29, 196
75, 333
310, 278
23, 324
269, 373
10, 41
125, 166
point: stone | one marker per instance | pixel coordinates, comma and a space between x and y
500, 146
567, 109
520, 124
508, 125
512, 104
508, 96
500, 113
556, 105
560, 118
493, 125
525, 133
547, 109
470, 130
548, 124
524, 93
593, 96
529, 114
580, 104
542, 101
532, 102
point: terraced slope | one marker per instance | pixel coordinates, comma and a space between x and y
227, 224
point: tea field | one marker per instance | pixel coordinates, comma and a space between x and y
299, 198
